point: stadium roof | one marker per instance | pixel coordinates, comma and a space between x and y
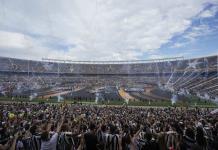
113, 62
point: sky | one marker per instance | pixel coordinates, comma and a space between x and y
104, 30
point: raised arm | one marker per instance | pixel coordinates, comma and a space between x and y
138, 132
61, 123
13, 145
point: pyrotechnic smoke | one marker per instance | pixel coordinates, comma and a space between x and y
60, 98
34, 95
127, 101
97, 97
174, 98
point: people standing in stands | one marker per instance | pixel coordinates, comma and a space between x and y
112, 139
91, 138
50, 142
85, 127
101, 136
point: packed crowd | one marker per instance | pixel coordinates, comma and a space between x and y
22, 85
21, 77
25, 126
19, 65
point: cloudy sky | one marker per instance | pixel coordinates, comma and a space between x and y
108, 29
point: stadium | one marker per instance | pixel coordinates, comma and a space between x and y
170, 79
108, 75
